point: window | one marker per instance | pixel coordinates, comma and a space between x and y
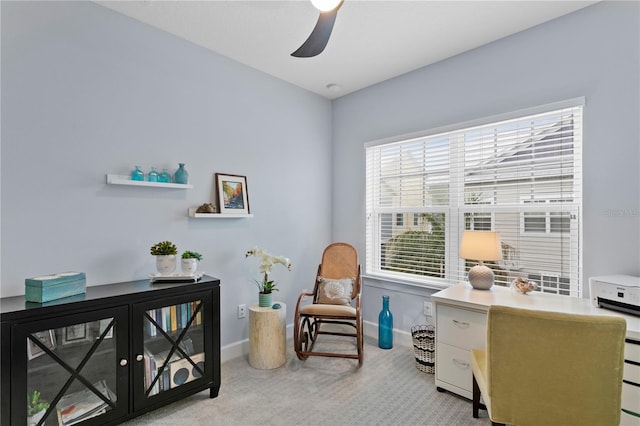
519, 174
551, 283
546, 221
478, 221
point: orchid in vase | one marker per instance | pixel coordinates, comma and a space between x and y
267, 262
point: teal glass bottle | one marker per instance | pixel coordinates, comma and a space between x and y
137, 174
164, 177
385, 325
153, 175
181, 175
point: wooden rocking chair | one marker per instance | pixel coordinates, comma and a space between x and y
335, 301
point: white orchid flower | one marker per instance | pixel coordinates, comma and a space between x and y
266, 264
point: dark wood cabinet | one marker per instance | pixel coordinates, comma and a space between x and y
111, 354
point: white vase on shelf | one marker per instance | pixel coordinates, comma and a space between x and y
189, 266
166, 263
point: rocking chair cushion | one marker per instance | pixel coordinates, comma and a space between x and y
332, 310
335, 292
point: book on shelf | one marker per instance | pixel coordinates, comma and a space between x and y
174, 323
153, 362
173, 318
158, 317
82, 405
166, 314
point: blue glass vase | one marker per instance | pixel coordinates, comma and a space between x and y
164, 177
385, 325
181, 175
137, 174
153, 175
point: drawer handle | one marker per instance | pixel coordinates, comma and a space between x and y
462, 364
461, 324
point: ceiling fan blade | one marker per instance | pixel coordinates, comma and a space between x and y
319, 37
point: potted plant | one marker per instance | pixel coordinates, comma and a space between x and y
189, 262
36, 408
165, 253
266, 287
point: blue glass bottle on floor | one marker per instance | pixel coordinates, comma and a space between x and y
385, 325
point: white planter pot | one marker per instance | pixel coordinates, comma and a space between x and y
189, 266
33, 420
166, 264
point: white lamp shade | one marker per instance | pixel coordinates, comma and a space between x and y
325, 5
480, 245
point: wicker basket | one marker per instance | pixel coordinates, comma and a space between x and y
424, 347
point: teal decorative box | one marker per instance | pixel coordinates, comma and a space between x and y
54, 286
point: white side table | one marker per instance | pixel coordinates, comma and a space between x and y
267, 336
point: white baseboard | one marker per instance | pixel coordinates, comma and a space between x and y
241, 348
400, 337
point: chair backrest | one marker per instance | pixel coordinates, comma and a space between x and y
340, 260
554, 368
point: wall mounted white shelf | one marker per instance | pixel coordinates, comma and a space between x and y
192, 213
126, 180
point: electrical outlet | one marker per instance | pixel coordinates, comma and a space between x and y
242, 311
428, 308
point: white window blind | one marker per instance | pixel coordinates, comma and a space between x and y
520, 176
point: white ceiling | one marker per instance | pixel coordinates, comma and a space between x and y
372, 40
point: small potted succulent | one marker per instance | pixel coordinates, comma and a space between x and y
165, 253
36, 408
189, 262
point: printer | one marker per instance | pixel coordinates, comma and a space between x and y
616, 292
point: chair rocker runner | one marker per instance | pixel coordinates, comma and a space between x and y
335, 301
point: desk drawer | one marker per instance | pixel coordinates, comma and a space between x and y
629, 420
632, 373
631, 398
453, 365
461, 327
632, 351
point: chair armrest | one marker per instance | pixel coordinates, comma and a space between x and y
302, 296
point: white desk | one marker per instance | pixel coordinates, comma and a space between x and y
461, 314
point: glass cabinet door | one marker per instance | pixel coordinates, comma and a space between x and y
173, 347
72, 368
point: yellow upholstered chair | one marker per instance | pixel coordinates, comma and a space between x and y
335, 300
549, 368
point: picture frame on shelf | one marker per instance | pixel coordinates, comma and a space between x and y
76, 333
233, 196
47, 337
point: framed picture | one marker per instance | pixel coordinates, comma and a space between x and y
233, 197
46, 337
74, 334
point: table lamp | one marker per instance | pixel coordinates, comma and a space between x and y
480, 246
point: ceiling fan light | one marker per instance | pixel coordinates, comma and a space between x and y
325, 5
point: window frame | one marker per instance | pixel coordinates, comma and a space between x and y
455, 217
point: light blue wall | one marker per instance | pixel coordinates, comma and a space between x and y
593, 53
86, 92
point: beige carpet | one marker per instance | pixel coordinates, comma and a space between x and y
387, 390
